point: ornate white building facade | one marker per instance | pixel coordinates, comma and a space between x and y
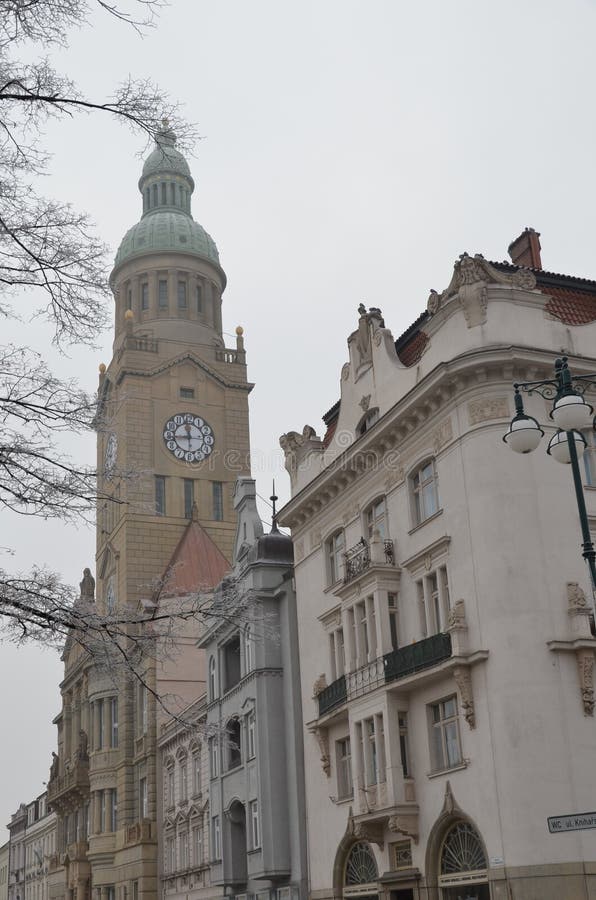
442, 607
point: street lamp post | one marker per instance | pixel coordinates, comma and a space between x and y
570, 413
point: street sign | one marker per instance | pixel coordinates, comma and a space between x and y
577, 822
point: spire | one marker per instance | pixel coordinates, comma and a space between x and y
166, 182
274, 498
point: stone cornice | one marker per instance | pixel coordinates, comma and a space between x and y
185, 357
422, 406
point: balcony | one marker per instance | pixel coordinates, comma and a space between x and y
360, 557
415, 657
333, 695
72, 787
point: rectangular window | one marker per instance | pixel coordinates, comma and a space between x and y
403, 745
182, 301
215, 838
100, 724
376, 519
189, 497
187, 393
129, 299
184, 861
196, 774
335, 551
111, 893
393, 630
199, 298
248, 650
218, 512
183, 782
113, 810
197, 846
424, 488
102, 811
372, 763
113, 722
142, 709
143, 799
144, 295
344, 768
171, 788
445, 749
162, 294
160, 495
255, 831
213, 766
170, 855
251, 725
433, 596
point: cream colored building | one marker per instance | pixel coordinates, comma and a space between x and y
172, 438
40, 847
445, 642
4, 857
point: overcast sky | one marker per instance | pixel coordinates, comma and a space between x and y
352, 150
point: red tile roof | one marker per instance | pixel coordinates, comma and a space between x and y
197, 564
410, 353
571, 307
330, 431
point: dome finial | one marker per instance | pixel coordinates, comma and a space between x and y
274, 498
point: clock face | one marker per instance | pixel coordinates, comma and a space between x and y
188, 437
111, 452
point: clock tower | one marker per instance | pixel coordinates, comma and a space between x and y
173, 431
172, 439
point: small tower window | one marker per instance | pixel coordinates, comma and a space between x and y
217, 487
129, 299
189, 497
182, 303
160, 495
163, 193
187, 393
145, 296
154, 195
163, 294
199, 298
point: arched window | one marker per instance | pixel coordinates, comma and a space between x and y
248, 650
361, 868
212, 685
424, 489
462, 862
234, 746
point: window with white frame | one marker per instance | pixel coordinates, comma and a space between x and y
184, 860
343, 755
212, 677
445, 745
248, 650
113, 809
215, 838
113, 706
404, 750
213, 759
255, 831
376, 519
143, 700
425, 493
196, 773
433, 599
336, 546
372, 750
590, 457
143, 798
337, 653
170, 855
251, 737
393, 620
171, 788
363, 623
197, 845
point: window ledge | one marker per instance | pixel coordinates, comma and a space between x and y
234, 769
254, 851
462, 765
424, 522
349, 798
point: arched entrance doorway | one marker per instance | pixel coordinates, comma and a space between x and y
360, 873
463, 867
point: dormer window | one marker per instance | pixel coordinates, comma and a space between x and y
368, 421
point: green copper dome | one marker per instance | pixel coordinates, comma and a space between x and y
167, 230
167, 224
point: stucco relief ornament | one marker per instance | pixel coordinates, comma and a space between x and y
319, 685
323, 742
433, 304
87, 585
406, 825
463, 681
365, 402
585, 661
345, 372
442, 434
367, 831
471, 275
292, 443
457, 615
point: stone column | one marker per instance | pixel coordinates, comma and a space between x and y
382, 621
347, 616
67, 726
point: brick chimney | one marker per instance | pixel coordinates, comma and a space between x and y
525, 249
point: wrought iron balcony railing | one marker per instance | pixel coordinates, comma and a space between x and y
333, 695
358, 558
415, 657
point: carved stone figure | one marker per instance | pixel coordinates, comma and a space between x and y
323, 742
83, 752
433, 304
319, 685
87, 585
365, 402
367, 831
55, 766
